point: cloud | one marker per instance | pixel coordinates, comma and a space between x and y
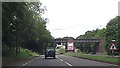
58, 29
75, 17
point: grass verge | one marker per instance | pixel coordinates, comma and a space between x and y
9, 55
98, 58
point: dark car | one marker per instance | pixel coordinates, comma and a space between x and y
50, 52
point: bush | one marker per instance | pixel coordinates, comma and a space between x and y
105, 53
8, 54
78, 51
116, 53
62, 51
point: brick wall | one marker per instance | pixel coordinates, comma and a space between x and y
101, 47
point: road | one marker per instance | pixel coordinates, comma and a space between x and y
62, 60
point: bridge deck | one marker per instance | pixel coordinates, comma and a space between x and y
76, 40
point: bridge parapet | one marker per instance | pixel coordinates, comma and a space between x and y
77, 40
59, 40
87, 40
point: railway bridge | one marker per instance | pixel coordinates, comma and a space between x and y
98, 47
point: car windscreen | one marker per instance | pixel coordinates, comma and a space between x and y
50, 49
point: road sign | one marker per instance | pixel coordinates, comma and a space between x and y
113, 47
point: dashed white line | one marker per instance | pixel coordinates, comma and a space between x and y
68, 64
61, 59
57, 57
64, 62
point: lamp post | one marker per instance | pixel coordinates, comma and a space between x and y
16, 42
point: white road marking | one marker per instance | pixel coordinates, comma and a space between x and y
68, 64
29, 61
39, 57
57, 57
61, 59
64, 62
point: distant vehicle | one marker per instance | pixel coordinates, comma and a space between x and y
50, 52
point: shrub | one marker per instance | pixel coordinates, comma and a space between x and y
78, 51
62, 51
105, 53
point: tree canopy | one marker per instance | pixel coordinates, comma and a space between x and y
23, 26
109, 33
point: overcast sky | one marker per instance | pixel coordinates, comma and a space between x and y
75, 17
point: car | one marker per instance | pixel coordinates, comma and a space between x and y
50, 52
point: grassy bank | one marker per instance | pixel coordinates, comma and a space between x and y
61, 51
9, 55
99, 58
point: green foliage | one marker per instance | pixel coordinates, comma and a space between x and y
108, 34
24, 27
78, 51
105, 53
62, 51
98, 33
111, 34
9, 54
26, 53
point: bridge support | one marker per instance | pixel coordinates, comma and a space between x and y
98, 47
101, 47
65, 47
95, 48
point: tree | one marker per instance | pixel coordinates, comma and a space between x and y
23, 26
111, 34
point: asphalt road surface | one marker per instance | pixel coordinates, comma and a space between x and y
62, 60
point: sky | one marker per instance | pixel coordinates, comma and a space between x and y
74, 17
